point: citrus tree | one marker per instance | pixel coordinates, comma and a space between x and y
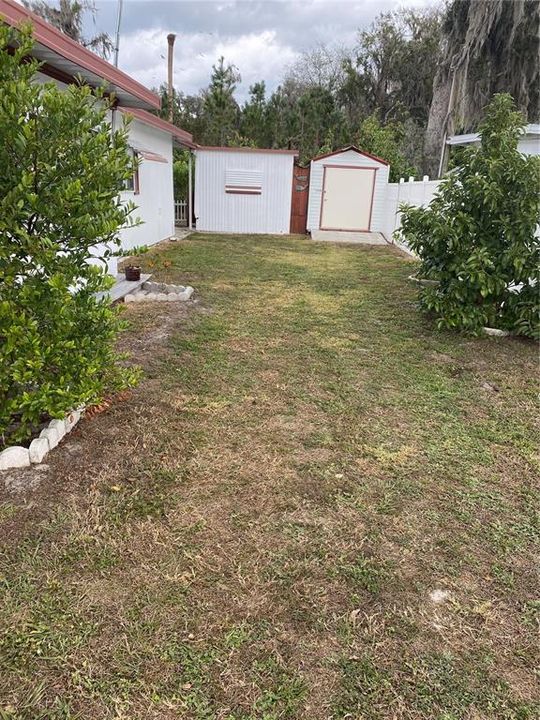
62, 171
478, 237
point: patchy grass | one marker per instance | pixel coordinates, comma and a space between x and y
315, 506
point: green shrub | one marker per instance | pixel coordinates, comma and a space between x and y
181, 174
477, 237
61, 173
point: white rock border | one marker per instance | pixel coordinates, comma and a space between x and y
17, 456
422, 281
160, 292
495, 332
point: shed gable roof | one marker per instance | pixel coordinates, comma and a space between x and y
354, 149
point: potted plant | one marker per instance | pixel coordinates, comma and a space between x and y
132, 272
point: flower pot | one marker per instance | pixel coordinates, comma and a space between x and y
133, 273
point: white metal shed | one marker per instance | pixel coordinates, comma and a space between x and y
243, 190
347, 191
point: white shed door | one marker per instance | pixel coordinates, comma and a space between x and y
347, 198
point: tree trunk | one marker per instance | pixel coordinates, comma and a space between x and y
488, 47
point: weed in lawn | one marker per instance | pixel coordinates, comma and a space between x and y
364, 573
280, 690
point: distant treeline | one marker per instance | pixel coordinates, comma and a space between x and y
390, 93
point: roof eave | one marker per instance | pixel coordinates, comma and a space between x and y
530, 130
181, 138
227, 148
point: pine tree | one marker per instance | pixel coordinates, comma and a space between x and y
220, 107
68, 18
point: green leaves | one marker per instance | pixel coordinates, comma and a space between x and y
62, 170
478, 236
386, 142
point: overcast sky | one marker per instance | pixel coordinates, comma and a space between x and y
260, 38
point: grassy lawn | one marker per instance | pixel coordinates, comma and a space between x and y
314, 506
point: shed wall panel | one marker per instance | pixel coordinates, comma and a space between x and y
219, 211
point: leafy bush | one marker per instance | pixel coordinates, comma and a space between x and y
386, 142
477, 237
62, 170
181, 174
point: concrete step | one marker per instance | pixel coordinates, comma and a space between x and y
123, 287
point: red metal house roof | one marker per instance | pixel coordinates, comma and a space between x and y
355, 149
71, 59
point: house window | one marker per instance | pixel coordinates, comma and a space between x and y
243, 182
132, 183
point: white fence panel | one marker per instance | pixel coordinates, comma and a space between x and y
181, 213
414, 192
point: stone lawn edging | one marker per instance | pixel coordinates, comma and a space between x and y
17, 456
155, 291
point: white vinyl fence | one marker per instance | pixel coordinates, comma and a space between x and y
414, 192
181, 213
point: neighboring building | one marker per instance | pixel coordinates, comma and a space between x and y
529, 143
243, 190
347, 191
150, 137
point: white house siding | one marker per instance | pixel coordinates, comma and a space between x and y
218, 211
349, 157
155, 199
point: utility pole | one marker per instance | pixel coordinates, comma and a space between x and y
116, 50
171, 37
117, 39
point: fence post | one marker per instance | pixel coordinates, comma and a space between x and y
425, 180
190, 193
397, 214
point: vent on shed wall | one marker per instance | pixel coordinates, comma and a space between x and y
243, 182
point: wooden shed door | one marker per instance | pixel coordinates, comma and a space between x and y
300, 195
347, 197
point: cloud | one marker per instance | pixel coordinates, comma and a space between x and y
257, 55
260, 37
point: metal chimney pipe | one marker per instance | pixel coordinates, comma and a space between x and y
171, 37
